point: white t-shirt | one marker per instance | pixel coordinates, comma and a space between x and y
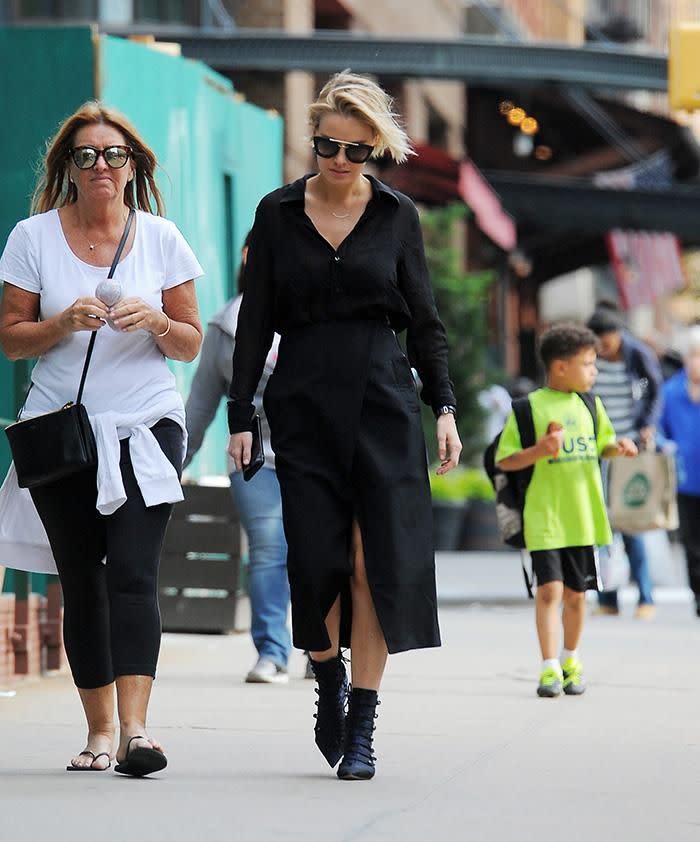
127, 372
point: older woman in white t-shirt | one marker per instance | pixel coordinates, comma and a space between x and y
102, 529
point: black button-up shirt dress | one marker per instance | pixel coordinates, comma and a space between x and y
343, 408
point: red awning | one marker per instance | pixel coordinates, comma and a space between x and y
430, 177
483, 201
433, 177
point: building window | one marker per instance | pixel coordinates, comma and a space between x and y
65, 9
166, 11
231, 263
185, 12
331, 14
437, 128
394, 86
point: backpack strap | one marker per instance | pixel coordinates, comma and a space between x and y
528, 575
589, 399
522, 409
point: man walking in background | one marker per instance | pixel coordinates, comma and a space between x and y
629, 384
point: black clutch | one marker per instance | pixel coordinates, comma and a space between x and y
60, 443
257, 453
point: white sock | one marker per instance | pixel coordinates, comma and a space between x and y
551, 663
568, 653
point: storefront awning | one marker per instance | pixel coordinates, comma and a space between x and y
486, 206
432, 177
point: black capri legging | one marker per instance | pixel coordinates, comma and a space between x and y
111, 624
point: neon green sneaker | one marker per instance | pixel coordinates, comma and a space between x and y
551, 682
574, 685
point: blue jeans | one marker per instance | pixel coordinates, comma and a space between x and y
639, 565
260, 507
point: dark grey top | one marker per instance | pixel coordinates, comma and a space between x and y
212, 378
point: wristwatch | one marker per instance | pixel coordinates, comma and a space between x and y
447, 409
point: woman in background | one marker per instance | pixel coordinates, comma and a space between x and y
258, 502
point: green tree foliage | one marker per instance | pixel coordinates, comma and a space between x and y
462, 299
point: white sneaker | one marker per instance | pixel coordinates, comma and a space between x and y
267, 671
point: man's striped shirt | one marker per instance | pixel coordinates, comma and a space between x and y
614, 388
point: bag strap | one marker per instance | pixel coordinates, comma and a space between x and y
589, 399
522, 409
112, 269
528, 575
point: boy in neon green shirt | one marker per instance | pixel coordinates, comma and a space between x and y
565, 517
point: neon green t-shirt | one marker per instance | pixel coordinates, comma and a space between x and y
564, 504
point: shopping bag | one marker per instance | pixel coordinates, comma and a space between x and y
642, 493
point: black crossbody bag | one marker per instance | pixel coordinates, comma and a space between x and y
59, 443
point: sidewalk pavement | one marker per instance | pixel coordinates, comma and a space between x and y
496, 577
466, 749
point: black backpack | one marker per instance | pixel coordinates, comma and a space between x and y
511, 486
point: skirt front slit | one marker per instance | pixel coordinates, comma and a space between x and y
346, 430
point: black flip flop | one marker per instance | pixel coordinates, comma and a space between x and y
91, 767
141, 761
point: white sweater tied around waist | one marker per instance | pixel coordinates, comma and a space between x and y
24, 544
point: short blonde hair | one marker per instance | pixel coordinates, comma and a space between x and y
55, 188
351, 95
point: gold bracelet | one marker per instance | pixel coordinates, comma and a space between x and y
167, 329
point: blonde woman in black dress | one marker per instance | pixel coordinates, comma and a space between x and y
336, 266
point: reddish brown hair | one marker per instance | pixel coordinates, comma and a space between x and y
56, 190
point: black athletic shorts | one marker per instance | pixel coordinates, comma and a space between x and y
576, 567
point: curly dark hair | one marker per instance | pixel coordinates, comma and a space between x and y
561, 342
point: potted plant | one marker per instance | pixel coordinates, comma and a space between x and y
462, 301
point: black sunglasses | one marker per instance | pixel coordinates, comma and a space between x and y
328, 147
85, 157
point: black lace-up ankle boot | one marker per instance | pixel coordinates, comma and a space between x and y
332, 691
358, 761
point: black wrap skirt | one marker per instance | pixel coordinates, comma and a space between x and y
346, 430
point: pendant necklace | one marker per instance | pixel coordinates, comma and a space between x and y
340, 215
93, 246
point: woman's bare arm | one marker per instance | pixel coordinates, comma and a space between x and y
23, 336
179, 317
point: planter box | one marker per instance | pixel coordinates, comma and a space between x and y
447, 524
200, 563
479, 529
